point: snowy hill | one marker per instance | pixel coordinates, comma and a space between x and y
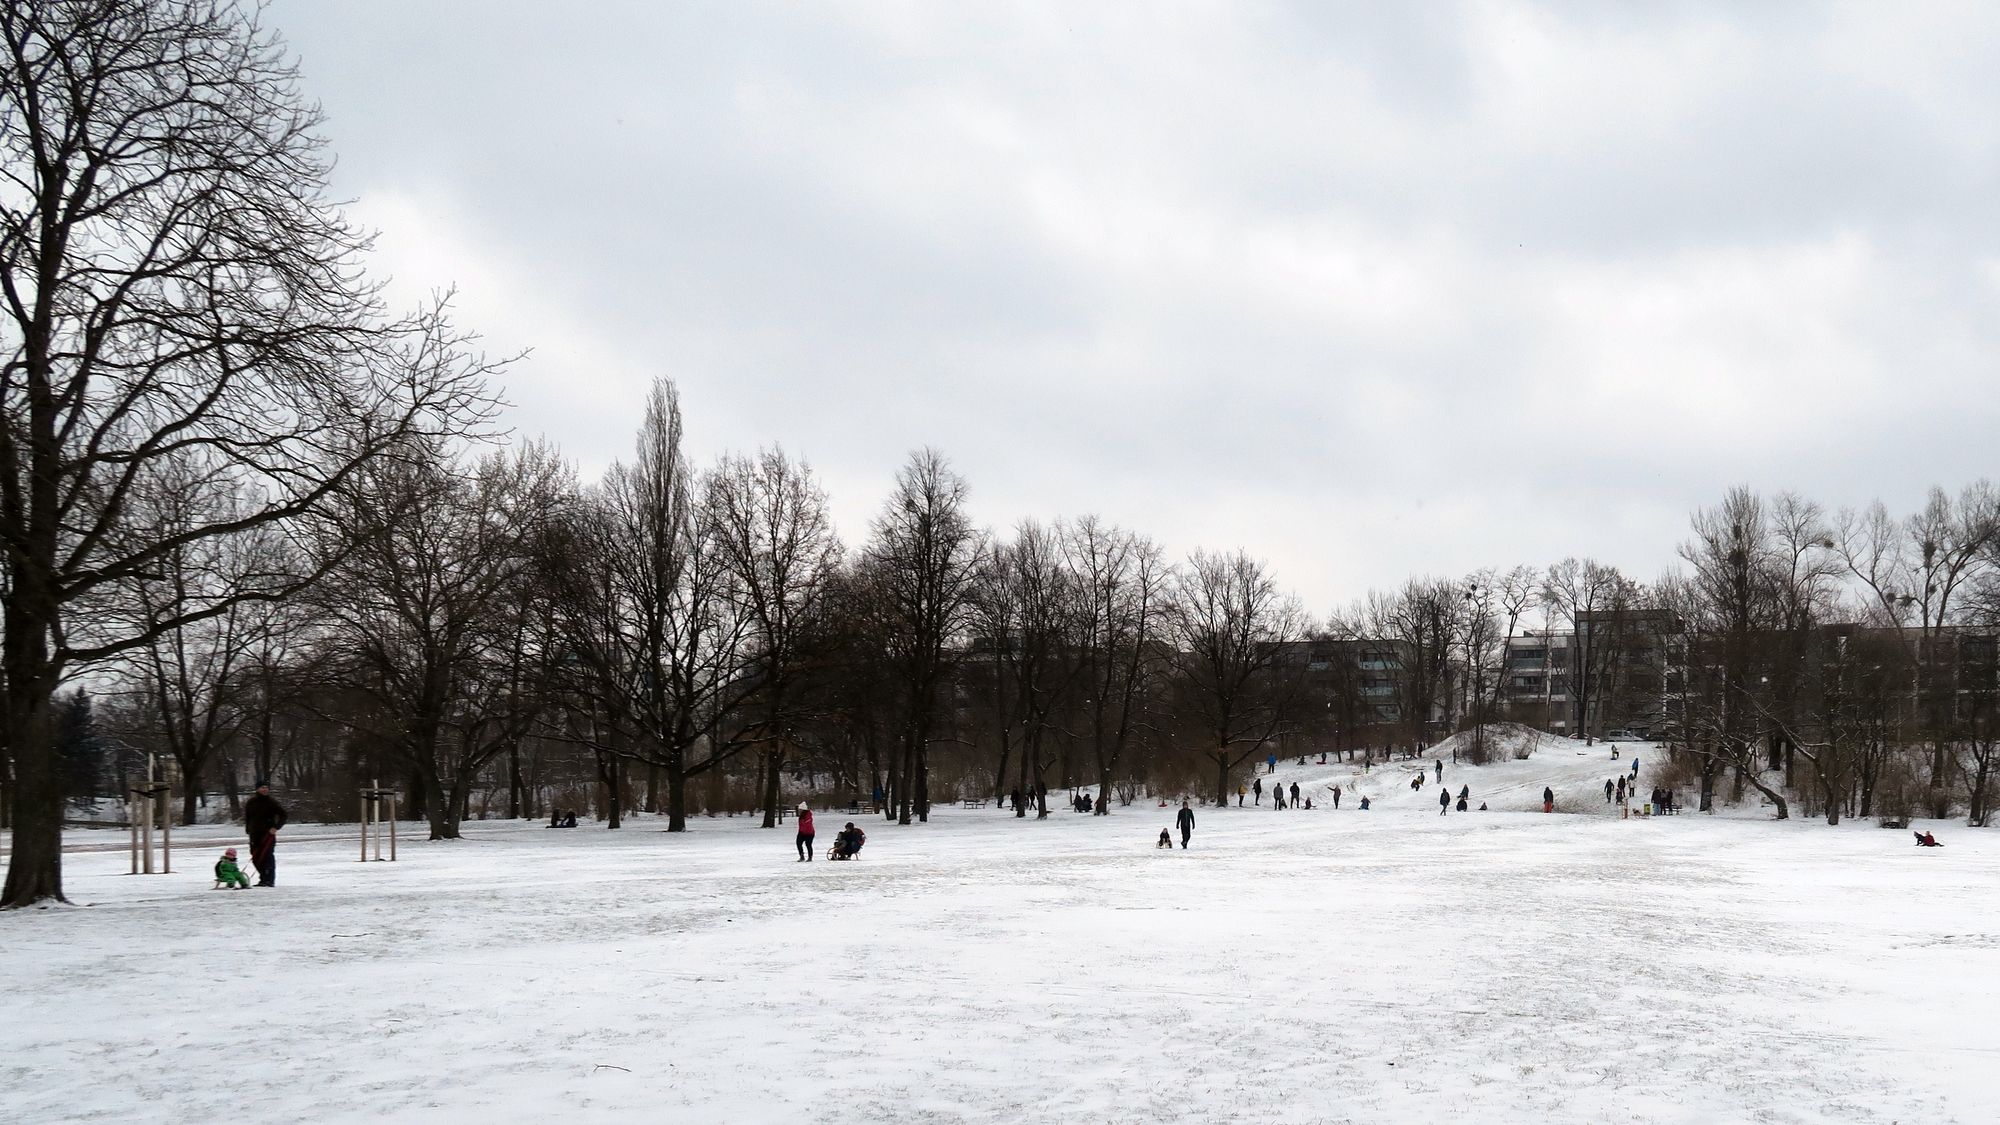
1575, 772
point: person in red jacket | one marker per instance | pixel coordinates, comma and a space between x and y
805, 840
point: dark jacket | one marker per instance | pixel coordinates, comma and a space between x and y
261, 814
1185, 820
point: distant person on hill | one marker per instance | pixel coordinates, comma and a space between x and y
1015, 798
1926, 840
1621, 786
1336, 795
1270, 763
1548, 799
1440, 768
1608, 786
1166, 840
1295, 794
1461, 802
805, 837
1635, 767
1184, 820
1257, 787
1364, 804
262, 817
1482, 806
1444, 800
1465, 792
1239, 796
1278, 797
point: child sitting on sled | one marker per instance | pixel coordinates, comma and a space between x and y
227, 874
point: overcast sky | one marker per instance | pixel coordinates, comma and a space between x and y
1392, 290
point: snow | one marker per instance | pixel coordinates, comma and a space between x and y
1304, 966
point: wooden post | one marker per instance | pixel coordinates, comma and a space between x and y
132, 819
375, 811
392, 828
166, 830
364, 827
146, 820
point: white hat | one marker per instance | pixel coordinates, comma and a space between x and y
803, 808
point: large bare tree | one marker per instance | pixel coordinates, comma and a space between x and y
175, 285
1233, 634
775, 533
924, 555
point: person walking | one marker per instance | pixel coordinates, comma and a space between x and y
805, 840
262, 817
1621, 787
1239, 796
1548, 799
1465, 792
1278, 798
1607, 791
1270, 763
1295, 794
1185, 822
1439, 764
1257, 787
1336, 796
1444, 800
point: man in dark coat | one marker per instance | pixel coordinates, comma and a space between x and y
262, 817
1186, 823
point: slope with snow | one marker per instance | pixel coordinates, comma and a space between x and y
1321, 966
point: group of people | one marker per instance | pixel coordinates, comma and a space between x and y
1278, 792
1464, 795
846, 842
262, 817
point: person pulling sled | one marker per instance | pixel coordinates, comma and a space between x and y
1926, 840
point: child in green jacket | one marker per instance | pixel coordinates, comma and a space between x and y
227, 874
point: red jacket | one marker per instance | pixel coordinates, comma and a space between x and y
806, 822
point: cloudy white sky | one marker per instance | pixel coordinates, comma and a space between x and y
1369, 290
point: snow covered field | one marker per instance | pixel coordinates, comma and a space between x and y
1291, 967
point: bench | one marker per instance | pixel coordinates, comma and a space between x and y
857, 808
974, 803
1893, 821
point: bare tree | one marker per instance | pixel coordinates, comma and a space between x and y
655, 620
435, 613
175, 285
925, 556
1122, 586
191, 672
775, 533
1575, 591
1232, 631
1924, 573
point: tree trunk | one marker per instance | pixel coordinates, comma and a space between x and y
443, 809
1103, 792
773, 765
1221, 777
652, 788
614, 804
904, 776
676, 799
34, 870
190, 788
514, 780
